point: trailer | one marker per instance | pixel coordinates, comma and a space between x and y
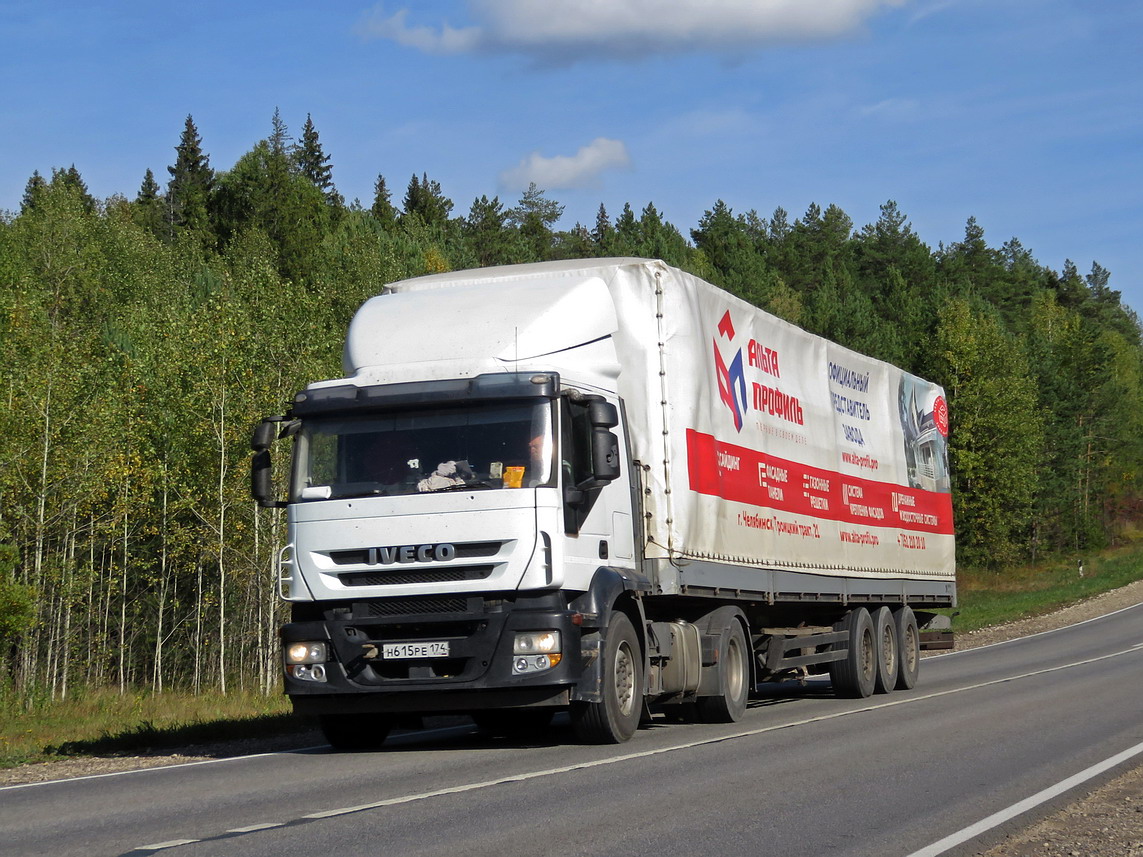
605, 487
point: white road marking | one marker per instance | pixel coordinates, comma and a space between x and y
1037, 634
746, 733
1021, 807
174, 843
253, 828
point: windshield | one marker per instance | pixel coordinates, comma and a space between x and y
479, 445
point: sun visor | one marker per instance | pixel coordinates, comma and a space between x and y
497, 320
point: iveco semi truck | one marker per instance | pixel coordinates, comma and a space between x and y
602, 487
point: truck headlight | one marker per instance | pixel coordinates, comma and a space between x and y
536, 643
307, 653
535, 651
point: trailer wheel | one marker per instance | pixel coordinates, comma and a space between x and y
856, 674
355, 731
909, 646
888, 660
614, 718
734, 678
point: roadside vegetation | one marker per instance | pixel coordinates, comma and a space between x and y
988, 597
107, 723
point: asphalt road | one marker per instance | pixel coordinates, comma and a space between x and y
802, 773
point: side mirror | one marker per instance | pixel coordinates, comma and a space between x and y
604, 454
603, 414
265, 433
262, 465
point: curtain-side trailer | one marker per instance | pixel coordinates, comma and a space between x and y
600, 486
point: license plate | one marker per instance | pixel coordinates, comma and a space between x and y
399, 651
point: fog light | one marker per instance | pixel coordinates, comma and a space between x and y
307, 653
526, 664
307, 672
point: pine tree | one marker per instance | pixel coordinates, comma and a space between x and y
382, 210
729, 249
535, 216
488, 234
626, 232
604, 233
148, 205
149, 190
425, 202
314, 163
192, 180
71, 179
33, 192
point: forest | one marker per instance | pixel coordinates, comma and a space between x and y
142, 338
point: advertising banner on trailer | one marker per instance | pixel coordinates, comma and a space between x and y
788, 451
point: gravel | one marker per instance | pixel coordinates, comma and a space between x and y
1104, 821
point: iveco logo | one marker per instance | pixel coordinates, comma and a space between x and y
412, 553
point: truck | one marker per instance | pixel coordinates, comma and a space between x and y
604, 487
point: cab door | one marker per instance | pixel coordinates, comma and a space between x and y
597, 512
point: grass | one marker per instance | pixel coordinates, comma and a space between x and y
104, 722
994, 597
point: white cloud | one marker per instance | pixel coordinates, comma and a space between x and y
567, 171
447, 40
571, 29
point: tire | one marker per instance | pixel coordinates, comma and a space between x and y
529, 722
355, 731
615, 717
855, 675
909, 648
888, 652
734, 678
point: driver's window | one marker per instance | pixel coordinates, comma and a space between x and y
575, 443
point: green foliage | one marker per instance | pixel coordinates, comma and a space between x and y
17, 600
425, 203
533, 217
486, 230
995, 432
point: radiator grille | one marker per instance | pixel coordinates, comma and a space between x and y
407, 574
417, 606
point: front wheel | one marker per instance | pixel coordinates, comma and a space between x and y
615, 717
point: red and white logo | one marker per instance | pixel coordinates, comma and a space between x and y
941, 416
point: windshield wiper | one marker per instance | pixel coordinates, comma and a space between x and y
480, 484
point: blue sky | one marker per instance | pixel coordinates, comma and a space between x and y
1026, 114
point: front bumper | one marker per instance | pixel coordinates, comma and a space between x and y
476, 674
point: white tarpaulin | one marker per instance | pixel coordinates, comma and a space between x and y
783, 449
